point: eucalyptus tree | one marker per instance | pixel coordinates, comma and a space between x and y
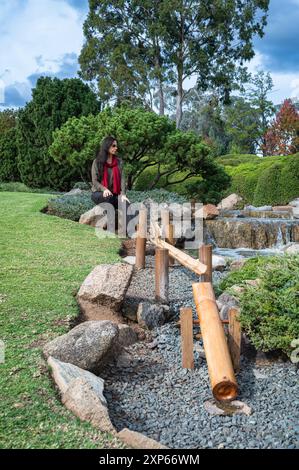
135, 48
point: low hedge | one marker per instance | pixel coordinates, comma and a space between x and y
269, 313
70, 206
73, 206
23, 188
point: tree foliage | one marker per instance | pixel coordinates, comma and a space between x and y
136, 48
53, 102
282, 138
8, 120
145, 140
8, 149
8, 156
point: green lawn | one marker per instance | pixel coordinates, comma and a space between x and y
44, 260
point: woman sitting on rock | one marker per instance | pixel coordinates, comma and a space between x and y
108, 179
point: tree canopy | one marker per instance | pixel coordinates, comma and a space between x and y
282, 137
133, 49
53, 102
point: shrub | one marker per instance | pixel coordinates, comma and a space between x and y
237, 159
289, 179
8, 156
269, 312
157, 195
21, 187
247, 183
82, 185
268, 189
53, 102
70, 206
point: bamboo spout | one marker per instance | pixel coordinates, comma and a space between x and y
221, 372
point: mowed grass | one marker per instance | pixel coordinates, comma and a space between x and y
44, 260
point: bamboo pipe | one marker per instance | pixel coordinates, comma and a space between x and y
186, 260
221, 372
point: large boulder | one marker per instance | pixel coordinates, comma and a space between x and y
294, 203
237, 264
151, 315
218, 263
92, 217
208, 211
292, 248
224, 302
82, 393
230, 202
88, 345
136, 440
282, 208
296, 212
81, 399
102, 293
65, 373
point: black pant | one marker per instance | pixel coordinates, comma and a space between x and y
97, 197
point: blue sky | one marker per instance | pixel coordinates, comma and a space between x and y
44, 37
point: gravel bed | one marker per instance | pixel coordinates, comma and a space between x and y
149, 392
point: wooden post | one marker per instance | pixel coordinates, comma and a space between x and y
141, 239
205, 257
167, 231
187, 337
161, 274
234, 337
221, 372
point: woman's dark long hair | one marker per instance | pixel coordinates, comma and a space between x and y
103, 152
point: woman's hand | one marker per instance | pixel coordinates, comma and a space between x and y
124, 198
107, 193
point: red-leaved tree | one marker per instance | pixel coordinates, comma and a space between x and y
282, 137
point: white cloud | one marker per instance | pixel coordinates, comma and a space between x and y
35, 36
286, 85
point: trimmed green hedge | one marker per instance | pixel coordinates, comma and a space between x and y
237, 159
8, 156
269, 180
269, 312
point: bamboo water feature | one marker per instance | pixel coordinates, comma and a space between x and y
221, 372
219, 361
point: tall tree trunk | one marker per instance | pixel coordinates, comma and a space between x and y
180, 70
161, 99
179, 98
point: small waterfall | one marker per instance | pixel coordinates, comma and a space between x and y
251, 232
279, 239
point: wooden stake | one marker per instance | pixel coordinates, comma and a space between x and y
141, 239
161, 274
221, 372
167, 231
187, 337
234, 337
205, 257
